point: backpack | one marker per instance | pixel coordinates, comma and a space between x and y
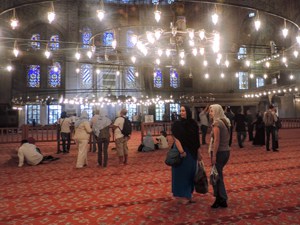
278, 123
269, 119
126, 131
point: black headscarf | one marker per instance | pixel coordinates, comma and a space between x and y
187, 132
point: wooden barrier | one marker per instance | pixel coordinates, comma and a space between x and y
155, 128
50, 133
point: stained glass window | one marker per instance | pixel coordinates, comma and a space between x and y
260, 82
243, 80
35, 44
86, 73
108, 38
54, 42
54, 75
174, 78
158, 78
86, 37
33, 76
130, 77
129, 43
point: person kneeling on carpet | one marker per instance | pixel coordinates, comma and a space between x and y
32, 154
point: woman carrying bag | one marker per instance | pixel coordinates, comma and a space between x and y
186, 135
219, 152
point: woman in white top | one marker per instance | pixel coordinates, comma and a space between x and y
82, 136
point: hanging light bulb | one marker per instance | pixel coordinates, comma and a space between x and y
77, 70
133, 59
51, 14
77, 54
136, 74
222, 75
114, 44
100, 14
285, 31
14, 22
98, 71
201, 51
89, 54
298, 39
47, 52
296, 53
267, 64
265, 76
247, 63
118, 73
206, 76
168, 52
215, 16
157, 15
257, 22
157, 33
15, 50
226, 63
157, 61
202, 34
9, 68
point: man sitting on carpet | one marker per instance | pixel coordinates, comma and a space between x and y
32, 154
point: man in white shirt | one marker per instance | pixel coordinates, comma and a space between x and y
31, 154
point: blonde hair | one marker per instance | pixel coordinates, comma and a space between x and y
219, 113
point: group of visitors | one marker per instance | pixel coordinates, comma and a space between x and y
260, 129
99, 126
185, 132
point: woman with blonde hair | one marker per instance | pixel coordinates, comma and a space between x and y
220, 151
82, 136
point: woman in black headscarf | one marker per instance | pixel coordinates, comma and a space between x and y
186, 135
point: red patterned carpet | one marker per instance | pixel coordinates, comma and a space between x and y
263, 188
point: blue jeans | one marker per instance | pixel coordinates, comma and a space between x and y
66, 141
219, 189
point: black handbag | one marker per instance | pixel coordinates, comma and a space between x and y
200, 180
173, 157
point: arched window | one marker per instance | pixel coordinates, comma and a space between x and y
86, 73
130, 77
243, 80
158, 78
35, 41
174, 78
33, 76
54, 75
54, 42
86, 37
108, 38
